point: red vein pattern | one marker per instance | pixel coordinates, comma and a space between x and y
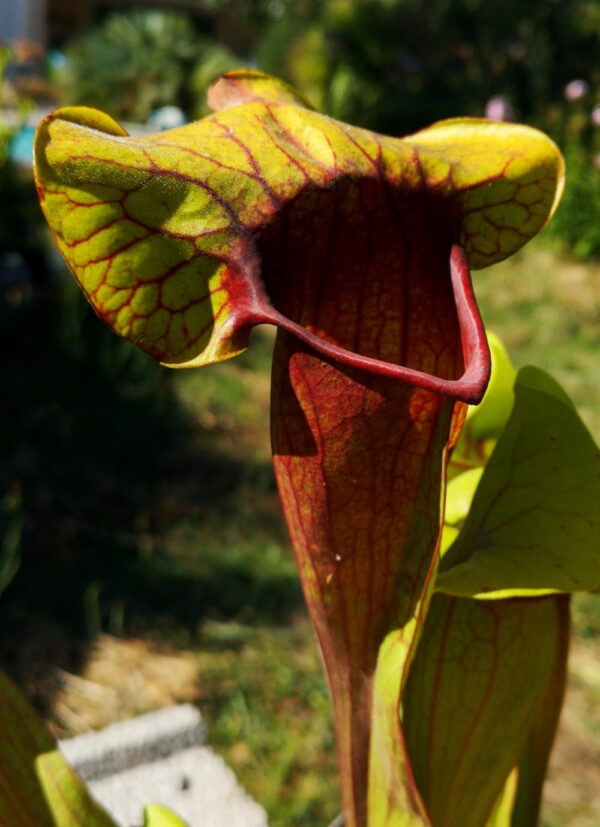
483, 673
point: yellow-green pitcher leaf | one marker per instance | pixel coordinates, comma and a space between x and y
480, 673
486, 420
176, 238
533, 526
157, 815
507, 180
250, 86
37, 786
501, 815
393, 799
459, 495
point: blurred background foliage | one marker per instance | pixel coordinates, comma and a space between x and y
141, 502
390, 65
135, 62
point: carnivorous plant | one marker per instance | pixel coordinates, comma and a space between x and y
445, 673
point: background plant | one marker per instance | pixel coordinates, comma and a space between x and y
360, 62
137, 61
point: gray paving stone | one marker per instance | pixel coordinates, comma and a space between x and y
136, 741
194, 783
162, 758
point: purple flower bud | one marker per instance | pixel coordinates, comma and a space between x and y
498, 109
576, 89
595, 115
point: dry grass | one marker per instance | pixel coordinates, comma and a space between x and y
123, 678
572, 792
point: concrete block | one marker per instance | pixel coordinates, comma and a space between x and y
162, 758
136, 741
195, 783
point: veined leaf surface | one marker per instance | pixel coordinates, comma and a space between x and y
169, 235
533, 526
482, 671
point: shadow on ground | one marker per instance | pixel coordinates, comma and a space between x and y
131, 515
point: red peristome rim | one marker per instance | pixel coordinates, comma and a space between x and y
476, 355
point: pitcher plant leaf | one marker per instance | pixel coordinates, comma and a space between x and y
37, 786
481, 672
533, 525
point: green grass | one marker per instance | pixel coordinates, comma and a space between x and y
546, 309
271, 719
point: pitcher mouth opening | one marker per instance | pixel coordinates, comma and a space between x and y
469, 388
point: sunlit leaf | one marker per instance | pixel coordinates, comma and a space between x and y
501, 815
481, 672
248, 86
37, 786
449, 535
156, 815
459, 495
486, 420
394, 799
533, 526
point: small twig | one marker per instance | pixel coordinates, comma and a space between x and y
338, 822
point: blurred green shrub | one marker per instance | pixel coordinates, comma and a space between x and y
391, 65
21, 107
132, 63
575, 125
76, 476
11, 520
137, 61
398, 65
576, 224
